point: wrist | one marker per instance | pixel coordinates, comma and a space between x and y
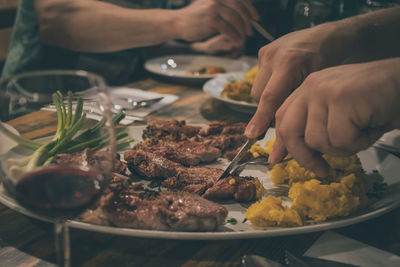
170, 25
340, 43
175, 26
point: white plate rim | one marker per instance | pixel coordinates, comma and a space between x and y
214, 87
159, 60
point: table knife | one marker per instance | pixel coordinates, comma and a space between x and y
239, 156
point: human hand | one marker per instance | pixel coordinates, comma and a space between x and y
338, 111
286, 62
220, 44
203, 18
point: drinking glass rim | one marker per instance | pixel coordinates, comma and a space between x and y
81, 73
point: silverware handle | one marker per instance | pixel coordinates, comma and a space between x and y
388, 148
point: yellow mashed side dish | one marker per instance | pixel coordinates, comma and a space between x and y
251, 75
241, 90
271, 212
312, 198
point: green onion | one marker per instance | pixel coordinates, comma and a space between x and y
66, 138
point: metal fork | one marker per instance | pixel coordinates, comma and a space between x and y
387, 148
278, 189
261, 160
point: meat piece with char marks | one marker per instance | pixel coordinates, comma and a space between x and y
135, 207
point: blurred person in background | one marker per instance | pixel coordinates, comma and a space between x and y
107, 37
346, 81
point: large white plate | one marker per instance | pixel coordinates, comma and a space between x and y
180, 66
215, 86
387, 165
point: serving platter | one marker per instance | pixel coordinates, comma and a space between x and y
180, 67
215, 86
372, 160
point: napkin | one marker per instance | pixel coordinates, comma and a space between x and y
335, 247
139, 94
125, 92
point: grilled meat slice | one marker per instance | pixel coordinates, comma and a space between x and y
136, 207
194, 179
230, 155
169, 129
93, 157
224, 128
151, 165
199, 180
222, 135
238, 188
223, 142
186, 152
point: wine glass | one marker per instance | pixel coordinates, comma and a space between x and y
63, 159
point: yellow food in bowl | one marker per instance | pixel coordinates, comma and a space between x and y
241, 90
251, 75
237, 91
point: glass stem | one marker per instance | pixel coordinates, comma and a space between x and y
62, 243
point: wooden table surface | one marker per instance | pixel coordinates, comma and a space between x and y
28, 242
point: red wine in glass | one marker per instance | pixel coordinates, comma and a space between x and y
60, 192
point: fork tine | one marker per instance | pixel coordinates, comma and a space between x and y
261, 160
277, 191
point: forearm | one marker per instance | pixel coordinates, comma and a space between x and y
94, 26
377, 34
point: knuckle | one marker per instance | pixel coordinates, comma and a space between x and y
284, 132
288, 58
317, 142
269, 96
255, 94
314, 82
214, 5
264, 51
339, 94
312, 140
339, 143
279, 115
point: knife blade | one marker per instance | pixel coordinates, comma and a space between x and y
238, 157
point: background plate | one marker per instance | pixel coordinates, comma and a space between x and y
179, 67
371, 159
215, 86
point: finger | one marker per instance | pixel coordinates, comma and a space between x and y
241, 8
316, 132
291, 129
260, 81
344, 134
250, 9
225, 28
234, 18
279, 150
278, 88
